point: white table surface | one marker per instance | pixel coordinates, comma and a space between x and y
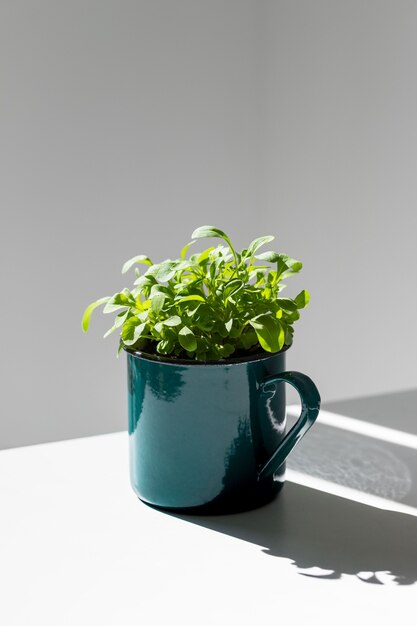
77, 547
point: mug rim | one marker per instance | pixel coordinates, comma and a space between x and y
259, 356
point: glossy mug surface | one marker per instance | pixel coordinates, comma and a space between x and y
210, 437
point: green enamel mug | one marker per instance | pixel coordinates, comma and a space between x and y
210, 437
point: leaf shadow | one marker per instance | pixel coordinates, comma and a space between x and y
315, 529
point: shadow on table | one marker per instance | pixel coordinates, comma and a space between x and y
315, 529
319, 530
367, 463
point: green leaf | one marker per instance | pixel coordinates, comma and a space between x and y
157, 302
232, 287
228, 298
204, 319
185, 249
187, 338
119, 300
120, 318
285, 263
144, 281
270, 256
165, 346
220, 328
168, 269
202, 258
258, 243
139, 330
175, 320
189, 285
109, 332
287, 304
192, 309
213, 269
202, 344
226, 350
288, 266
120, 347
165, 271
249, 339
195, 297
87, 313
287, 330
132, 329
292, 317
236, 329
302, 299
209, 231
141, 258
157, 288
269, 331
143, 316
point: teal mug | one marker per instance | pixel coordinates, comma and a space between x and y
210, 437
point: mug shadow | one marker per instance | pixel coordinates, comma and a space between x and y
315, 529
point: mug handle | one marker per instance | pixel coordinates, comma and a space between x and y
310, 406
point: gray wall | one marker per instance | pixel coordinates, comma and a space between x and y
126, 124
341, 106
